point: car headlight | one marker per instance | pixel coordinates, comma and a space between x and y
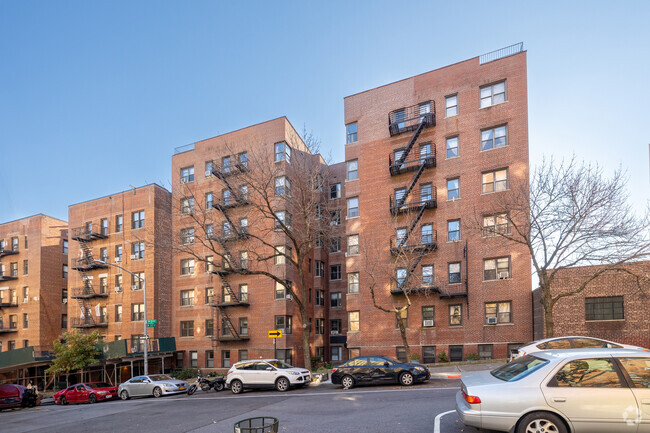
293, 373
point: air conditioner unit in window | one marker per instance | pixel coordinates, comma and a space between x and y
25, 300
208, 173
134, 256
503, 275
65, 301
134, 287
118, 259
491, 321
183, 180
334, 332
427, 323
118, 289
289, 297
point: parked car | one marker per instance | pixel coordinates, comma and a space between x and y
11, 396
265, 373
561, 391
154, 384
378, 369
571, 342
90, 392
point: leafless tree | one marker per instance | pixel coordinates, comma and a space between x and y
570, 215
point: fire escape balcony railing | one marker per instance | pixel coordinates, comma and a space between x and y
222, 171
89, 321
400, 288
8, 252
240, 301
408, 166
87, 264
233, 268
232, 202
13, 302
7, 277
414, 243
13, 327
232, 337
414, 202
87, 234
408, 119
87, 293
229, 237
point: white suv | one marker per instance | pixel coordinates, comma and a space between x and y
265, 373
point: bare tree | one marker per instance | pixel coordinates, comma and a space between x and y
570, 215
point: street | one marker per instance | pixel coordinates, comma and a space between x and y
323, 408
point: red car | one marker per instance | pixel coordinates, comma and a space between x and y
86, 393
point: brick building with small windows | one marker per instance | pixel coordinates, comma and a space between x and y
612, 307
426, 157
126, 231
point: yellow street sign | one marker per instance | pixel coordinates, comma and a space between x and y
276, 333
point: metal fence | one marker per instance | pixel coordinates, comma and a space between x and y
501, 53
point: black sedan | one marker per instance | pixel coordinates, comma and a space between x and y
378, 369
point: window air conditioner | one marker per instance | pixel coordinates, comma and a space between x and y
118, 259
491, 321
134, 256
334, 332
503, 275
25, 300
208, 173
65, 300
289, 297
118, 289
183, 180
134, 287
427, 323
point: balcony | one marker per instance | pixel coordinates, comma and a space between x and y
13, 327
414, 202
231, 338
4, 252
87, 264
413, 165
87, 234
87, 293
232, 202
399, 289
90, 321
231, 301
229, 237
414, 243
408, 119
7, 277
222, 171
13, 302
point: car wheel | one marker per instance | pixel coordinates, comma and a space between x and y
92, 398
406, 378
157, 392
64, 400
282, 384
124, 395
236, 386
192, 390
541, 422
347, 382
218, 387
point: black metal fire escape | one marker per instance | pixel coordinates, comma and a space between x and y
84, 294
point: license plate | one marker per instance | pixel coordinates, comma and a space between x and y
181, 387
109, 396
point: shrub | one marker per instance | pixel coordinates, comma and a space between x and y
472, 357
328, 366
415, 357
185, 373
442, 357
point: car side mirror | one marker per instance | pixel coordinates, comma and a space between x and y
386, 364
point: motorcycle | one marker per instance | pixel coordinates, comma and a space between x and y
206, 384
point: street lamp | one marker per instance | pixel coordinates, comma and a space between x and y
144, 288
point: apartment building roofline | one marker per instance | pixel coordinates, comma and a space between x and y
32, 216
116, 193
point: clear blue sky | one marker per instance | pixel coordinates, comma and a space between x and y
95, 95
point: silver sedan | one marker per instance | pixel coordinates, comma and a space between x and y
155, 384
561, 391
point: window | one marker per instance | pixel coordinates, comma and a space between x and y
454, 273
226, 196
243, 225
118, 283
320, 326
494, 181
496, 269
14, 244
209, 359
494, 224
587, 373
335, 245
25, 267
194, 358
187, 267
353, 207
486, 351
425, 192
639, 371
187, 236
11, 345
353, 282
119, 223
64, 321
455, 315
403, 316
335, 272
243, 355
353, 245
336, 353
243, 326
225, 164
335, 191
335, 217
243, 259
13, 321
335, 299
187, 204
353, 321
137, 219
137, 312
353, 170
284, 355
604, 308
209, 327
103, 254
428, 317
243, 159
280, 290
179, 359
137, 250
453, 231
187, 174
65, 271
64, 295
498, 312
319, 240
284, 218
209, 263
400, 276
428, 354
282, 152
14, 269
453, 189
493, 138
452, 147
283, 323
243, 292
25, 321
451, 105
209, 165
335, 326
103, 285
280, 255
118, 253
26, 243
319, 269
494, 94
209, 200
25, 294
187, 328
282, 186
65, 246
351, 129
118, 313
427, 275
400, 354
104, 226
209, 295
187, 297
243, 192
318, 211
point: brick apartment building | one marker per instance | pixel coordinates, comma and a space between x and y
425, 156
33, 276
220, 225
121, 229
612, 307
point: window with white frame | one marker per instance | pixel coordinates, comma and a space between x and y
426, 234
453, 231
493, 94
280, 257
452, 147
335, 191
352, 170
494, 137
353, 321
209, 200
425, 150
282, 152
353, 245
451, 105
498, 312
427, 275
284, 323
187, 266
494, 181
280, 290
353, 282
282, 186
226, 164
351, 133
335, 272
187, 298
243, 159
353, 207
496, 269
187, 235
400, 277
187, 205
428, 316
453, 189
454, 272
243, 225
282, 217
319, 269
187, 174
495, 224
426, 192
137, 250
335, 245
209, 166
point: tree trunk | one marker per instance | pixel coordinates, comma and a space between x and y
548, 304
402, 331
306, 327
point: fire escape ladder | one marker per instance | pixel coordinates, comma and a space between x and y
414, 181
415, 221
233, 296
225, 215
226, 322
414, 138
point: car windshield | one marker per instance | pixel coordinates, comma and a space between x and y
279, 364
519, 368
391, 360
98, 385
160, 377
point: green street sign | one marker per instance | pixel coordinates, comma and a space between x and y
151, 325
152, 321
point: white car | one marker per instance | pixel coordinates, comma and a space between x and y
265, 373
570, 342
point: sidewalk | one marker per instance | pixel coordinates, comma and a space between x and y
455, 370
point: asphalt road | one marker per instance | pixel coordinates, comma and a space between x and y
324, 408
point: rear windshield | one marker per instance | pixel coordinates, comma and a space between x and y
98, 385
159, 377
519, 368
